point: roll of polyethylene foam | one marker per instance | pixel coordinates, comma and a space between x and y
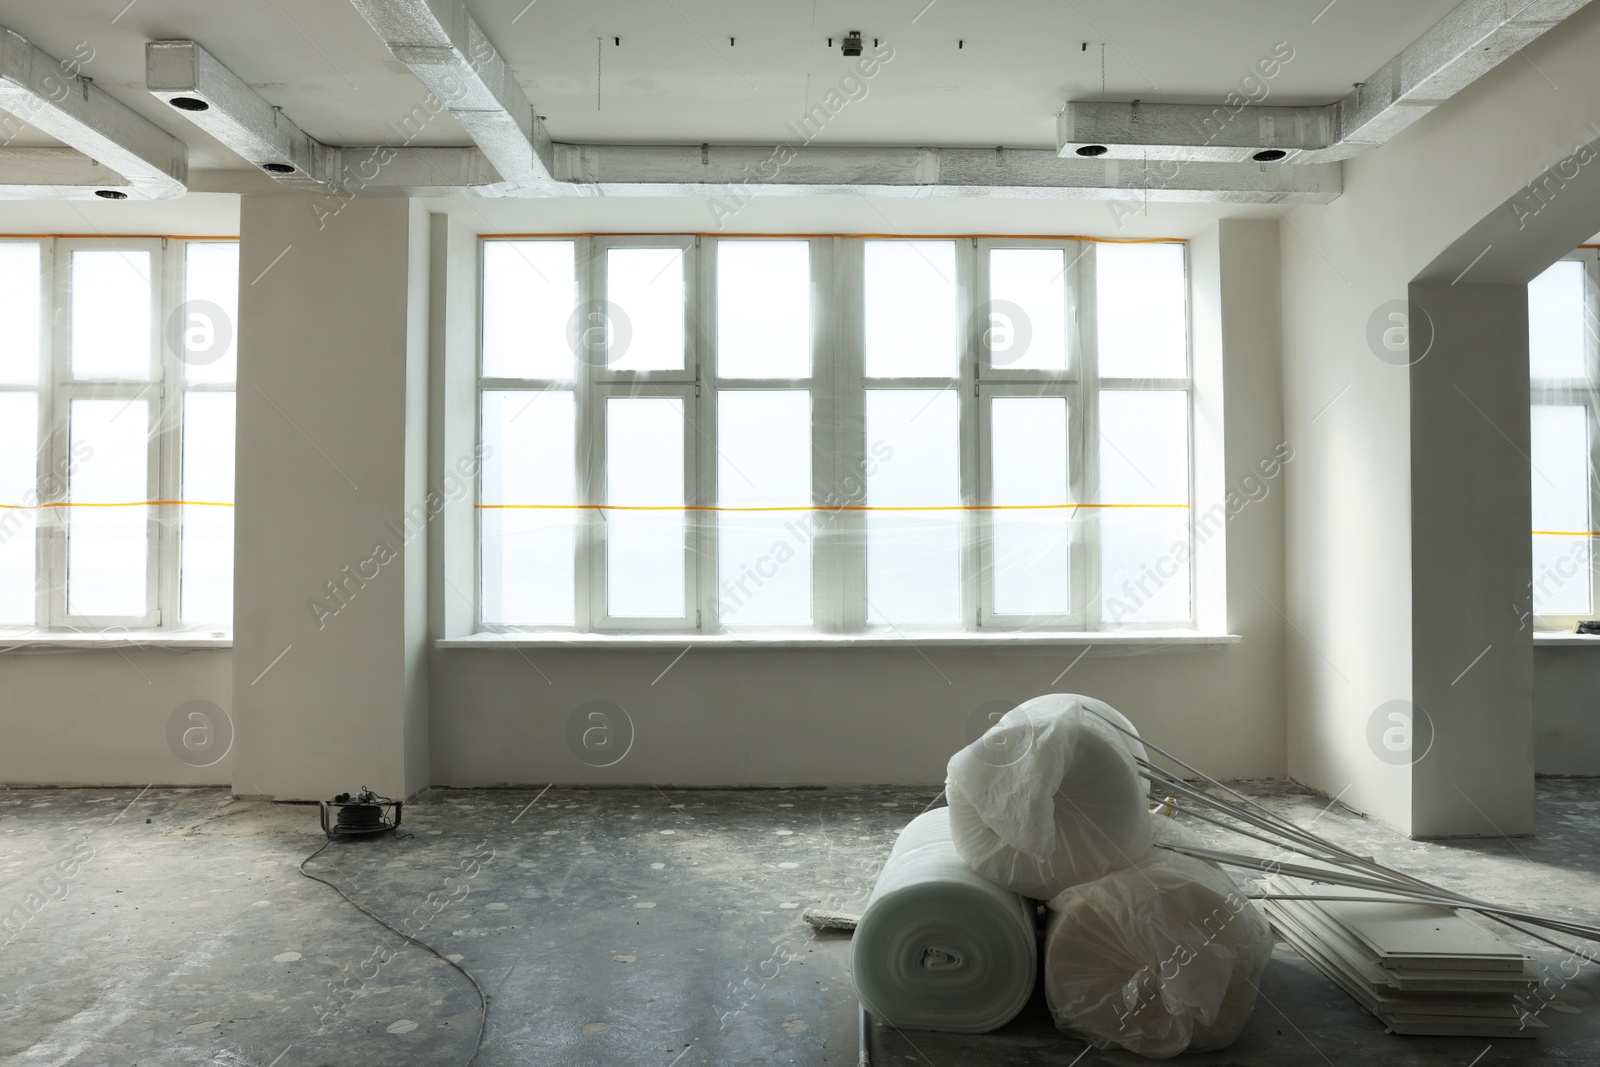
938, 946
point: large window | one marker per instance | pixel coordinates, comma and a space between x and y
835, 435
1564, 367
116, 434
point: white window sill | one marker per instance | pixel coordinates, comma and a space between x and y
22, 640
1134, 641
1560, 637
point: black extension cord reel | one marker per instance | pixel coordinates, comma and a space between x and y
361, 815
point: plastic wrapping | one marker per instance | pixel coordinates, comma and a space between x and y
938, 947
1159, 958
1049, 797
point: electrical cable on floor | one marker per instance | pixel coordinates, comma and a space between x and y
483, 999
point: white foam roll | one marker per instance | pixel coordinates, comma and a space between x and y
1160, 958
938, 947
1050, 797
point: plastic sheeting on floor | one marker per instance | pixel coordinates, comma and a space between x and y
1159, 958
940, 947
1049, 797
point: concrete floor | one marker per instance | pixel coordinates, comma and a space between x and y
637, 927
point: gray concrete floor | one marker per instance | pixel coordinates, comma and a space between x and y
608, 927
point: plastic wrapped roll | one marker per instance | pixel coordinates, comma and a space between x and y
1159, 958
1049, 797
938, 947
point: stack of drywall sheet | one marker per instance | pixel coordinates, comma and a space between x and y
1420, 969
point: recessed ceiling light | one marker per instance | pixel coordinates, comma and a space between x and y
110, 194
1269, 155
277, 168
1092, 150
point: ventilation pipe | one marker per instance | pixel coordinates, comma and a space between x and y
197, 86
1460, 48
113, 153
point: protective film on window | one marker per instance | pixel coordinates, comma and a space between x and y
1562, 350
800, 435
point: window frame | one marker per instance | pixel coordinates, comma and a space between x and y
162, 391
598, 383
825, 574
66, 388
695, 533
1072, 383
1576, 392
838, 396
853, 386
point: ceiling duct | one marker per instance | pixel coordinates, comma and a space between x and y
817, 170
208, 94
1460, 48
113, 153
446, 49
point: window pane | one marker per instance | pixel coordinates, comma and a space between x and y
910, 309
1030, 549
530, 548
1556, 313
19, 475
644, 470
111, 315
529, 297
106, 538
1139, 294
913, 556
1144, 461
206, 590
764, 309
764, 441
1027, 327
645, 287
1561, 548
19, 310
205, 331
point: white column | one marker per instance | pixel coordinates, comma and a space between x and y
1472, 653
330, 679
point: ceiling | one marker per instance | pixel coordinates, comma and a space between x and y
674, 78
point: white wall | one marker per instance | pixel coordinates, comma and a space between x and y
1566, 711
1350, 500
101, 717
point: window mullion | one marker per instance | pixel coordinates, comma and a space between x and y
1591, 406
166, 453
704, 529
57, 426
51, 476
1085, 460
848, 527
977, 431
590, 570
699, 527
971, 281
700, 450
